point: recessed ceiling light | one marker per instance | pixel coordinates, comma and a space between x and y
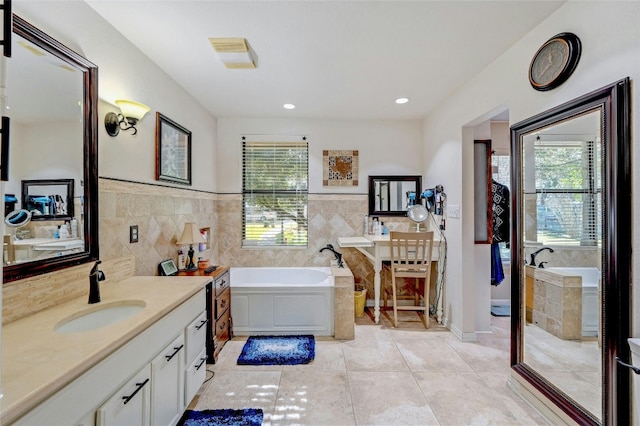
402, 100
289, 106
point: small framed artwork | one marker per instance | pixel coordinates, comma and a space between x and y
340, 168
173, 151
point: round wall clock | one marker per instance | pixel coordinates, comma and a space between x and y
555, 61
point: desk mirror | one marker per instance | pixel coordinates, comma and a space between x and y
571, 254
51, 100
392, 195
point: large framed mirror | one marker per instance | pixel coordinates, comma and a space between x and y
391, 195
571, 254
52, 100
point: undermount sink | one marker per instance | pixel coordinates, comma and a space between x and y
99, 316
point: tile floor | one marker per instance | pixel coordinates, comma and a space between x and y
385, 376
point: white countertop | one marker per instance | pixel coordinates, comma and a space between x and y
37, 361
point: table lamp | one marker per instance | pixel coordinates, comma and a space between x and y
191, 235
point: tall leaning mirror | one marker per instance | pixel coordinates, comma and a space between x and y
50, 204
571, 256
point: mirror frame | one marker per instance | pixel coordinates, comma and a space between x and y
68, 184
397, 178
614, 101
90, 155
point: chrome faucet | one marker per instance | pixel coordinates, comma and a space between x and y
95, 276
535, 253
336, 254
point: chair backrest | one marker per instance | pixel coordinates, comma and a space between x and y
411, 251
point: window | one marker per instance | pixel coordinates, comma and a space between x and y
568, 189
275, 178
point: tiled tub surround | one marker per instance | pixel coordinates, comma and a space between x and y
559, 305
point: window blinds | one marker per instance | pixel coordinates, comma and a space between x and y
275, 193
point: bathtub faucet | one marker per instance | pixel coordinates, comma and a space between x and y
535, 253
337, 255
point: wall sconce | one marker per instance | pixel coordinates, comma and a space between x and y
131, 113
191, 235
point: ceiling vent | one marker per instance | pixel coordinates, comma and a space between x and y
234, 52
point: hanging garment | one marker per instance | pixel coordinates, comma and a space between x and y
497, 273
500, 216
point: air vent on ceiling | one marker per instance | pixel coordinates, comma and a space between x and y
234, 52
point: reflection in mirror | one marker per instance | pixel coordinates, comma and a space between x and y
52, 102
562, 187
392, 195
48, 199
571, 254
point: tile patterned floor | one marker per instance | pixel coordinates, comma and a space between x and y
386, 376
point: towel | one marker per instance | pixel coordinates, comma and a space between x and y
497, 273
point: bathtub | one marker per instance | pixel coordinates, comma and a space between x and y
282, 301
590, 299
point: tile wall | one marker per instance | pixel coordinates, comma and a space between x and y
160, 213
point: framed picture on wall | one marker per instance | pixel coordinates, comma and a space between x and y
173, 151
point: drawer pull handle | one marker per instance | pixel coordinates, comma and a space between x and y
139, 386
223, 303
202, 361
202, 323
222, 283
176, 349
223, 325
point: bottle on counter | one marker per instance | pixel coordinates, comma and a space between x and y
182, 260
366, 224
377, 229
74, 228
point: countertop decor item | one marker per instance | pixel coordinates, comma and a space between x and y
190, 236
555, 61
173, 151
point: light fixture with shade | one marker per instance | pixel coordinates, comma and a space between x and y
190, 235
131, 113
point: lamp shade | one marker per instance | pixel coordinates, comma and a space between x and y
133, 111
190, 235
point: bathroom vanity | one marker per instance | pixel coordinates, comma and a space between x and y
142, 368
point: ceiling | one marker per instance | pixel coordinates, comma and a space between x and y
332, 59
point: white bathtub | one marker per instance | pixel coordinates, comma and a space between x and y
590, 285
282, 301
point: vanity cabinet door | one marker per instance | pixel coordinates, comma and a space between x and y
196, 333
194, 377
167, 383
131, 405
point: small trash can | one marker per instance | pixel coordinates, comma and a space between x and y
360, 299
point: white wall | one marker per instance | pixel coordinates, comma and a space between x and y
384, 147
125, 72
610, 52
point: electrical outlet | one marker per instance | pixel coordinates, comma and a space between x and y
453, 211
133, 234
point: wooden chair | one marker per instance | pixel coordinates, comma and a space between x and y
410, 258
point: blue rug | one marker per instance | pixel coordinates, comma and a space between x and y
500, 310
278, 350
244, 417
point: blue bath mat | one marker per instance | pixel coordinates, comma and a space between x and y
227, 417
278, 350
501, 310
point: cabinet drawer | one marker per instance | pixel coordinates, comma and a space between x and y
195, 335
194, 377
221, 283
223, 332
222, 303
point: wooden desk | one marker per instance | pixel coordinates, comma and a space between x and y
219, 328
378, 249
